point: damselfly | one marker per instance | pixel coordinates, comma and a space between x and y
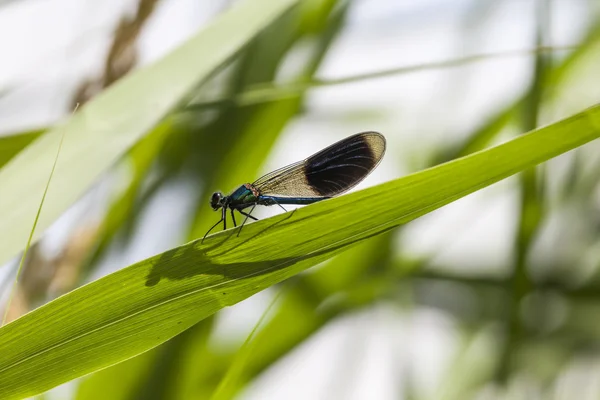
328, 173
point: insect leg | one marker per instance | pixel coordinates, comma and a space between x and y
233, 218
248, 215
278, 204
246, 219
213, 227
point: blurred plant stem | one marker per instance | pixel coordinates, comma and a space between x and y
269, 92
15, 288
589, 292
531, 205
122, 54
229, 382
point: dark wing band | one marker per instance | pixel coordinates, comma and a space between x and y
329, 172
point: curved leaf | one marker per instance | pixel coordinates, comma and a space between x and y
139, 307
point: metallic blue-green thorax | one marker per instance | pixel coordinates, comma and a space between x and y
242, 197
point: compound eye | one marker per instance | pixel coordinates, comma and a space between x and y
215, 200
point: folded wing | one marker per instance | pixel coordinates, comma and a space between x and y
329, 172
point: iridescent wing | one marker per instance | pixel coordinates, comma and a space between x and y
329, 172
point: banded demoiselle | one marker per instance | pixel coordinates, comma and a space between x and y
328, 173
